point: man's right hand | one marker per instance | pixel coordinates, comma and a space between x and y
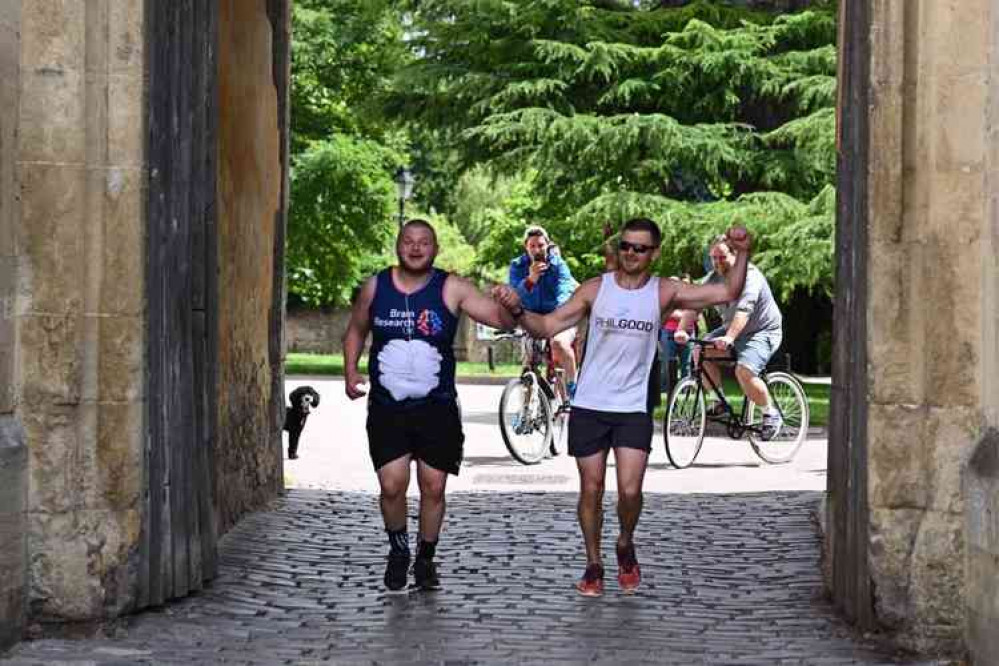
354, 382
536, 270
681, 337
507, 296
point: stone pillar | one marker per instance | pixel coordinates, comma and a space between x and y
80, 299
13, 454
934, 155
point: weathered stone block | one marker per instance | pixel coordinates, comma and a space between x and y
121, 364
10, 15
893, 533
53, 205
54, 34
118, 481
950, 435
960, 31
959, 119
56, 457
956, 211
898, 464
896, 337
950, 292
126, 39
121, 195
53, 116
80, 563
983, 606
937, 580
13, 531
981, 518
51, 363
888, 40
126, 120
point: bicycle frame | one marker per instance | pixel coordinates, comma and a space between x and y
538, 353
735, 424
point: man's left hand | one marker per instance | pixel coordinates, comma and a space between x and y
723, 343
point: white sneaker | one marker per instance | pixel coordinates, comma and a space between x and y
772, 423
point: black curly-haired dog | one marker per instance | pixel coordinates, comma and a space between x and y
303, 400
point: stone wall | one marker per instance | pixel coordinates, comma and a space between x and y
321, 332
934, 150
982, 547
79, 303
250, 195
13, 454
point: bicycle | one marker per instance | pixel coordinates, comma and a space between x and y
534, 407
686, 419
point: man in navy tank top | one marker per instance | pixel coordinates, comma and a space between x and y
618, 383
411, 311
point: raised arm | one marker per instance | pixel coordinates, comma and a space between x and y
354, 337
466, 297
549, 325
699, 296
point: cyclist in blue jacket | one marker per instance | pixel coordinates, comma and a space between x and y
543, 282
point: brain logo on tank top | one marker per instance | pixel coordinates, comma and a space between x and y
429, 323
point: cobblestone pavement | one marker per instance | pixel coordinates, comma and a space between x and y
729, 579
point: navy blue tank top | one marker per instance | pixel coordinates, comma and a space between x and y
412, 343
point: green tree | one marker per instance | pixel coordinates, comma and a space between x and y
343, 150
341, 216
696, 116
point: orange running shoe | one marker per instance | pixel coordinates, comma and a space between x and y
592, 582
629, 574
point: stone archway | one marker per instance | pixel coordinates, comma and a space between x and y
913, 492
143, 169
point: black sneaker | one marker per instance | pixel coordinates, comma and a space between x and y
425, 574
397, 572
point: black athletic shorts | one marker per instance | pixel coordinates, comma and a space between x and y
592, 431
431, 433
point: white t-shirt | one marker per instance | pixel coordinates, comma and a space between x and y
620, 348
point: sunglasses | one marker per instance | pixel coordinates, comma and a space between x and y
637, 248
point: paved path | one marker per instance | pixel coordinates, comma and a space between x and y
334, 456
731, 575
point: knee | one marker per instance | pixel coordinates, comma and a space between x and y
393, 491
432, 489
744, 374
629, 495
591, 489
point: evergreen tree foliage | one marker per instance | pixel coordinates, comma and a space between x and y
697, 116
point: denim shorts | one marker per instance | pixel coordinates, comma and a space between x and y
755, 350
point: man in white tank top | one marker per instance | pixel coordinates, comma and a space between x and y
618, 383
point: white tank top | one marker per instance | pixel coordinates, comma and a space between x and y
621, 347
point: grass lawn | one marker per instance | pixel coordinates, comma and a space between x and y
818, 401
332, 364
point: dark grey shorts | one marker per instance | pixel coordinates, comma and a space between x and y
592, 431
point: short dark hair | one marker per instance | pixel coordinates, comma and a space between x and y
417, 222
644, 224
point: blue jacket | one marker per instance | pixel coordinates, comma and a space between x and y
553, 289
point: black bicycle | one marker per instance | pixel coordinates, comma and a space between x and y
687, 418
534, 407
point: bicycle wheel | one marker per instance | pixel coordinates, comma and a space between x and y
525, 417
684, 424
789, 398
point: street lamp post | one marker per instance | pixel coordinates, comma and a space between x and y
404, 184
